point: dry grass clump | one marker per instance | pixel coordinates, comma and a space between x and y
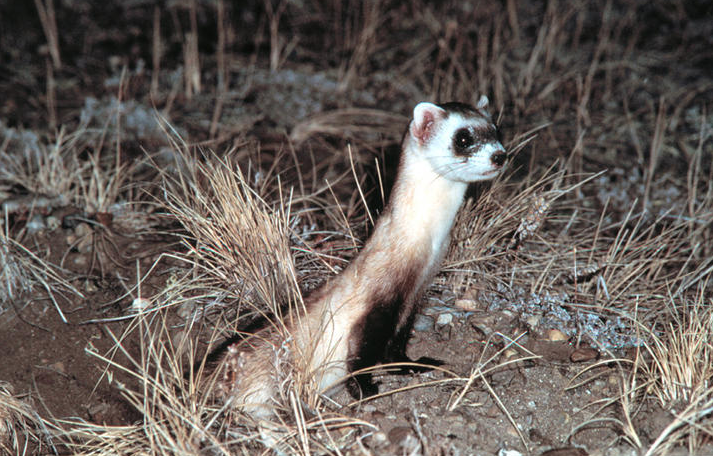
675, 368
49, 170
36, 178
681, 352
234, 238
21, 270
163, 386
238, 244
15, 277
54, 175
170, 384
22, 430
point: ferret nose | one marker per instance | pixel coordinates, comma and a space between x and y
498, 158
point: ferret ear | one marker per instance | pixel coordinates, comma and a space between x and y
483, 103
425, 120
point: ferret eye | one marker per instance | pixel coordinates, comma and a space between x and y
463, 139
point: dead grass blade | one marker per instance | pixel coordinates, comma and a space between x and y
23, 269
22, 430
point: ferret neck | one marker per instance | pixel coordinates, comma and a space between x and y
424, 203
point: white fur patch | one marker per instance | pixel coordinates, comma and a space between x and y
440, 154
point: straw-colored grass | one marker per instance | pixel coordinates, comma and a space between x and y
22, 430
234, 237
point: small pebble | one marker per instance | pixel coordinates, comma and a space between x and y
98, 411
36, 224
90, 286
583, 354
423, 323
469, 305
380, 437
186, 309
444, 319
555, 335
180, 342
59, 367
369, 408
444, 332
82, 229
533, 321
83, 232
140, 304
504, 452
436, 310
53, 222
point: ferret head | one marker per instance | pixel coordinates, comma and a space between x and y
459, 141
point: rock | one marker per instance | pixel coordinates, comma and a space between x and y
90, 286
423, 323
444, 319
84, 232
583, 354
379, 437
53, 222
469, 305
444, 333
36, 224
402, 436
186, 309
555, 335
140, 304
532, 321
58, 367
504, 452
82, 229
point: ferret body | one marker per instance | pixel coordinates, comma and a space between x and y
365, 314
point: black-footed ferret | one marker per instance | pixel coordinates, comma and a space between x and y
364, 315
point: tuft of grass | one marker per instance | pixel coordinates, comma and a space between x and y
41, 169
15, 276
233, 237
23, 270
55, 174
163, 386
169, 382
679, 372
22, 430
